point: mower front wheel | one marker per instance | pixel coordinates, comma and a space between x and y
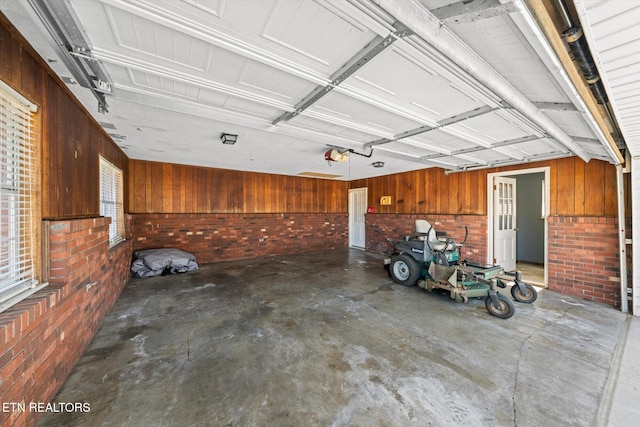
506, 307
530, 296
404, 270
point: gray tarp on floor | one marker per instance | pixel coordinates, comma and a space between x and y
156, 262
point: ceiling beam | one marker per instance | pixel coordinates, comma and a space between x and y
472, 10
359, 60
442, 123
555, 106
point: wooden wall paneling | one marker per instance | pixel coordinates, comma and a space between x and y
76, 173
318, 195
138, 184
177, 192
261, 195
188, 189
412, 192
248, 201
303, 195
388, 189
167, 188
268, 183
565, 183
257, 193
422, 190
376, 184
219, 189
16, 59
430, 187
287, 202
610, 191
579, 186
442, 192
594, 200
553, 187
5, 46
308, 197
86, 144
477, 181
157, 187
300, 194
66, 147
316, 198
237, 195
454, 193
200, 194
279, 193
401, 192
48, 156
339, 197
325, 188
464, 191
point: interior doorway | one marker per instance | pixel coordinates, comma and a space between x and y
357, 210
517, 222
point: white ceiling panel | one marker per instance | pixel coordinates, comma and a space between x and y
518, 62
140, 34
325, 127
409, 82
572, 123
294, 77
166, 85
380, 121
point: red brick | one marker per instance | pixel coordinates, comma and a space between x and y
30, 331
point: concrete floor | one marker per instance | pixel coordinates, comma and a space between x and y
329, 339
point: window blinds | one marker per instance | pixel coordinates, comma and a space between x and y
16, 194
111, 200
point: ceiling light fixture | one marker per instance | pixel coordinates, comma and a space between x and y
377, 164
228, 138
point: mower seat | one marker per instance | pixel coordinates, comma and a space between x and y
424, 230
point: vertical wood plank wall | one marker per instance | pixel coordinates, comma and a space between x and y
171, 188
576, 188
71, 139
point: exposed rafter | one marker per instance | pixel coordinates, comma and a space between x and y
468, 11
362, 58
445, 122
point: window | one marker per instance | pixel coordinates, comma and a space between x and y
111, 200
17, 180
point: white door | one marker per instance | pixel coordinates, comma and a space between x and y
504, 222
357, 209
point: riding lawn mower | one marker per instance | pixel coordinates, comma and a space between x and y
433, 262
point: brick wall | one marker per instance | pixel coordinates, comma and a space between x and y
380, 227
584, 258
219, 237
583, 251
43, 336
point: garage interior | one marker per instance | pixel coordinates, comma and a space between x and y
283, 143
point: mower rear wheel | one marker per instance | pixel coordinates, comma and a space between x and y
404, 270
530, 296
505, 310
